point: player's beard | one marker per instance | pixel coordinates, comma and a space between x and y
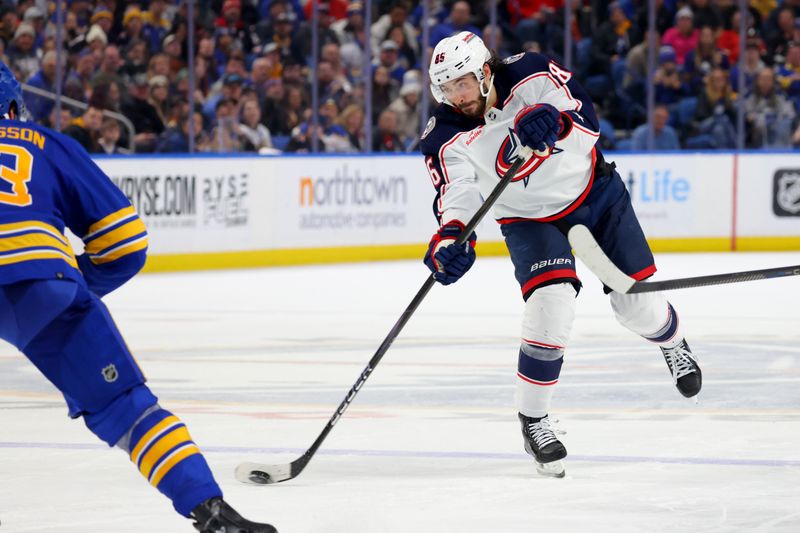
474, 108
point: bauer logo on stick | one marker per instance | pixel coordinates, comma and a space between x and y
786, 193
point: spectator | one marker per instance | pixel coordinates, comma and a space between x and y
133, 27
286, 41
158, 87
156, 24
285, 116
97, 40
612, 40
176, 138
664, 136
255, 137
147, 121
103, 18
702, 59
45, 79
669, 87
456, 22
136, 56
325, 33
751, 66
22, 53
397, 16
330, 86
110, 65
664, 19
172, 48
385, 138
778, 39
384, 90
716, 113
406, 56
261, 76
705, 14
728, 38
636, 67
9, 20
225, 135
78, 85
388, 58
230, 89
406, 107
683, 36
86, 128
769, 115
230, 23
35, 17
789, 73
352, 120
350, 30
109, 137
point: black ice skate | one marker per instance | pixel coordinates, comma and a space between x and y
541, 442
683, 366
216, 516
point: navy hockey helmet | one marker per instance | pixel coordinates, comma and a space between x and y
10, 92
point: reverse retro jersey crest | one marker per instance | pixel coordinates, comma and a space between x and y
507, 154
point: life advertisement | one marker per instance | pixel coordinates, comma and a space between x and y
680, 195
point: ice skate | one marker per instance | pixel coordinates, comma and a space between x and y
683, 366
216, 516
542, 443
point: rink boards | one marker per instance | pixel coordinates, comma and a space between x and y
217, 212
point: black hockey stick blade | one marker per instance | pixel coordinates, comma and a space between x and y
587, 249
266, 474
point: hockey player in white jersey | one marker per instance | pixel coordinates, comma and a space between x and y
489, 109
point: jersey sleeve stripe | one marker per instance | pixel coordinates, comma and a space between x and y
109, 239
109, 221
120, 251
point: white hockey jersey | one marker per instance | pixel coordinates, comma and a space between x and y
466, 157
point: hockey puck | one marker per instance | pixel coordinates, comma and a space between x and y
260, 477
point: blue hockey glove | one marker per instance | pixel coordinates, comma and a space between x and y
444, 258
538, 126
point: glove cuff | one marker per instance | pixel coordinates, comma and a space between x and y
566, 126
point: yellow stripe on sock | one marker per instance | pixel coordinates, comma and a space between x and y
147, 437
178, 456
161, 448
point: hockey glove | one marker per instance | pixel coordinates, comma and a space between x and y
444, 258
538, 126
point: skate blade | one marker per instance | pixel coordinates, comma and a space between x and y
553, 469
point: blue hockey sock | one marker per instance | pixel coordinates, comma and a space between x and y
162, 449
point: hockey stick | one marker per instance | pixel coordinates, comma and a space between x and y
262, 474
586, 247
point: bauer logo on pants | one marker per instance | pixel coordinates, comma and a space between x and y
786, 193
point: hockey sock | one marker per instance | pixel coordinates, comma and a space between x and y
537, 374
162, 449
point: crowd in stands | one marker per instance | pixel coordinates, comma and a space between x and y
253, 66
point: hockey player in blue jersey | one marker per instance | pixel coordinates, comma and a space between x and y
489, 108
50, 307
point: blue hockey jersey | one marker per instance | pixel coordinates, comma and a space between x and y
49, 182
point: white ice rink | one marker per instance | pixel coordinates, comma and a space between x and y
256, 361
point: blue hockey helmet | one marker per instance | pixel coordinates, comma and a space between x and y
10, 92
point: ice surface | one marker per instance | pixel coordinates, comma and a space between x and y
256, 361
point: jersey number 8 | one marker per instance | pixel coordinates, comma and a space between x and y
17, 174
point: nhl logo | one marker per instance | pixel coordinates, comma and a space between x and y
786, 188
110, 373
